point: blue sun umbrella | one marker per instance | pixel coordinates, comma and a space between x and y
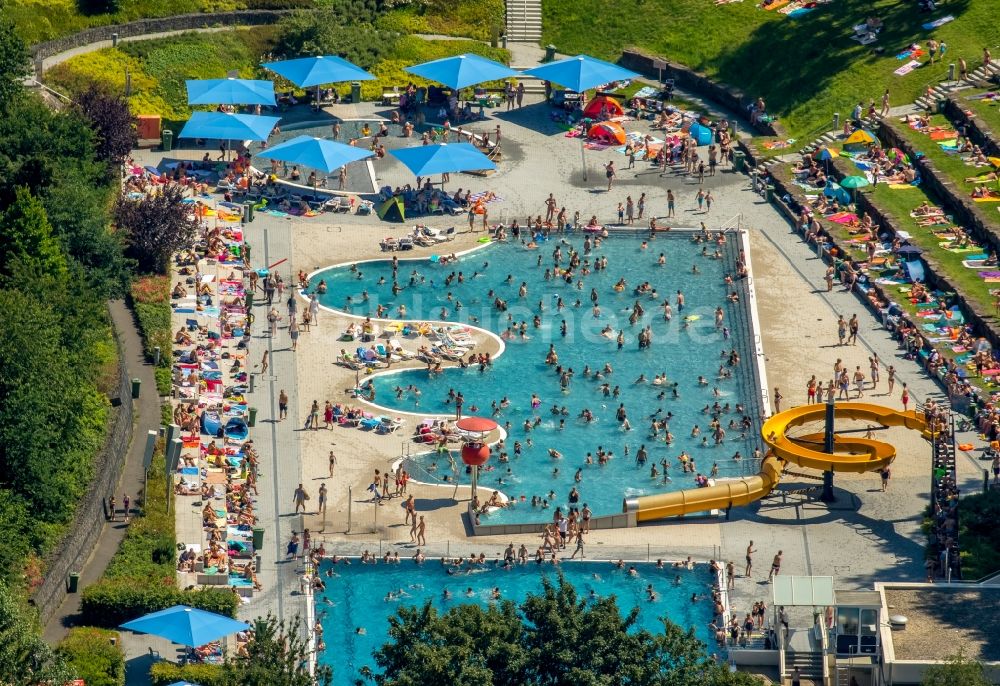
443, 158
228, 127
462, 71
581, 73
317, 153
315, 71
186, 626
230, 92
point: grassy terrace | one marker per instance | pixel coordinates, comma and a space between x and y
950, 164
898, 204
987, 110
805, 67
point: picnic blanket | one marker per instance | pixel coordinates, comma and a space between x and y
907, 68
938, 22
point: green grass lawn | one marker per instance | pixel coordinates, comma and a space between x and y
898, 204
41, 20
806, 68
949, 165
159, 67
989, 112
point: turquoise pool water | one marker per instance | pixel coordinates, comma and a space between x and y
355, 597
685, 348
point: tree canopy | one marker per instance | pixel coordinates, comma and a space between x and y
554, 638
155, 227
25, 659
275, 656
957, 670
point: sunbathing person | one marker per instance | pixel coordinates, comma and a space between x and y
982, 178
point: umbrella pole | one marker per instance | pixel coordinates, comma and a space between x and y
583, 157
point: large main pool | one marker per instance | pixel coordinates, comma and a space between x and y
354, 609
689, 351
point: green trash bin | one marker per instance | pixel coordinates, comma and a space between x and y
769, 193
167, 140
252, 419
738, 159
355, 91
136, 384
248, 212
550, 53
258, 538
942, 105
74, 582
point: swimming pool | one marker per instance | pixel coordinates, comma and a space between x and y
688, 347
355, 598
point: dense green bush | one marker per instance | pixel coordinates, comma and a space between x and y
111, 603
166, 673
151, 305
978, 534
92, 655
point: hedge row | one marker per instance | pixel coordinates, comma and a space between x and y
92, 655
167, 673
112, 603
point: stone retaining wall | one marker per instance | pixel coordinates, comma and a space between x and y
78, 542
696, 82
975, 128
180, 22
968, 213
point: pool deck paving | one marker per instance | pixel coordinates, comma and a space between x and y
866, 535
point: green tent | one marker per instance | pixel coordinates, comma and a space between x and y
392, 210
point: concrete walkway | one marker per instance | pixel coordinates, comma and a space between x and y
147, 417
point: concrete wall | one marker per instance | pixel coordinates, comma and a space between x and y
696, 82
615, 521
977, 129
966, 212
76, 546
180, 22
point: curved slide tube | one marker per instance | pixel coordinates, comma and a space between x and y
852, 455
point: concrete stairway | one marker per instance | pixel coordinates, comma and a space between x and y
524, 21
810, 664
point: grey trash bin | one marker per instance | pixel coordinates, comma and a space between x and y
167, 140
355, 91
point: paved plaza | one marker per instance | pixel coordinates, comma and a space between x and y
864, 536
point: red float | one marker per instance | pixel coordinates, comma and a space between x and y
475, 454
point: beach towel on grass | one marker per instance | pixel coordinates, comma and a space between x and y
938, 22
907, 68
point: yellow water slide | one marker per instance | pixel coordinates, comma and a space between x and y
850, 455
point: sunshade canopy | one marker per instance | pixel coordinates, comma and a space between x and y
825, 153
462, 71
317, 153
854, 182
230, 92
443, 158
185, 625
225, 126
581, 73
314, 71
802, 591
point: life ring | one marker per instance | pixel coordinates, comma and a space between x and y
619, 289
966, 446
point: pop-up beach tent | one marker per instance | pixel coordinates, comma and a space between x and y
702, 135
605, 103
607, 132
392, 210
